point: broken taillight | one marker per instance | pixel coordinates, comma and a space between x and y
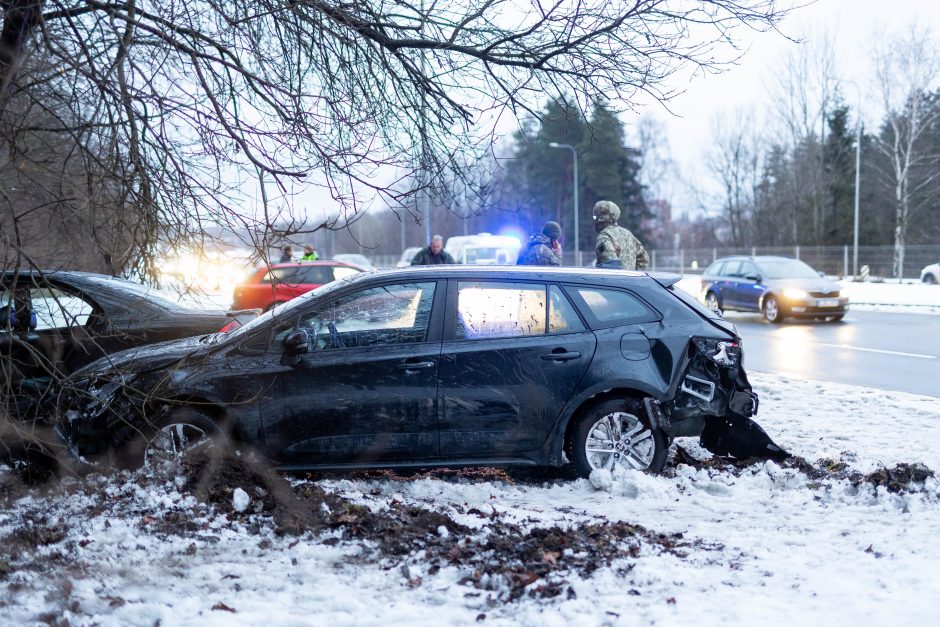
723, 352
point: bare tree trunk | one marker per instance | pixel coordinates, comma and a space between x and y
907, 69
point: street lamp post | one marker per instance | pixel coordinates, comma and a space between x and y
858, 169
577, 241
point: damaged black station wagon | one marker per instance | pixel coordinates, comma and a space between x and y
434, 366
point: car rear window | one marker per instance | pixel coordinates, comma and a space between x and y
614, 307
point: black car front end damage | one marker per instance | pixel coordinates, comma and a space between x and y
713, 399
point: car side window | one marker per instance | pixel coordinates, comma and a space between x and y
275, 275
733, 269
316, 275
377, 316
562, 317
716, 269
488, 310
614, 307
56, 309
748, 269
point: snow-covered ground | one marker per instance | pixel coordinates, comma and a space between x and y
907, 297
762, 544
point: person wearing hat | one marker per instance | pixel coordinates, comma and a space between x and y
543, 248
616, 244
287, 254
310, 253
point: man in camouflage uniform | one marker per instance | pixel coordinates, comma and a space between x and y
543, 248
615, 243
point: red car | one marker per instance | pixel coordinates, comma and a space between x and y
272, 285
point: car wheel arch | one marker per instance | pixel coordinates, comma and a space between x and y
578, 407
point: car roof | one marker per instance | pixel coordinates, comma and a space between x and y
543, 273
757, 258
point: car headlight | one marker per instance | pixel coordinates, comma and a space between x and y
795, 294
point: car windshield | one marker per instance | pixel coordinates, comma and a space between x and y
787, 269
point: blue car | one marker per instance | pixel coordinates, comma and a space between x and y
778, 287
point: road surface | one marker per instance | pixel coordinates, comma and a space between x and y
884, 350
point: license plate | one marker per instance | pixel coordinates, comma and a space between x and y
827, 302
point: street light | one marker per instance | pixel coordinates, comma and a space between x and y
577, 243
858, 168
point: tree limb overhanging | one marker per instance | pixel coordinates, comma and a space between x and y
160, 110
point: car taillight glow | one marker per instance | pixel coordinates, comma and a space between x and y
231, 326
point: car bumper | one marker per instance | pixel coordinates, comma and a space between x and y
816, 307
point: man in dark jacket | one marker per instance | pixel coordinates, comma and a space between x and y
287, 255
433, 254
543, 248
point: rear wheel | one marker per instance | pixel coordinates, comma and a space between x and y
772, 311
711, 301
170, 439
616, 433
930, 279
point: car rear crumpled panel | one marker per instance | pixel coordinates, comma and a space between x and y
707, 388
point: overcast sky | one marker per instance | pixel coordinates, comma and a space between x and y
852, 24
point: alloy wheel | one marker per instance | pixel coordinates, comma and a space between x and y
619, 439
172, 442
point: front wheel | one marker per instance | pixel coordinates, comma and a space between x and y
617, 433
930, 279
170, 439
772, 311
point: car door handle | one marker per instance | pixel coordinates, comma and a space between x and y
416, 365
561, 356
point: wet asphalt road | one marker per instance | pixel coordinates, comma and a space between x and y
884, 350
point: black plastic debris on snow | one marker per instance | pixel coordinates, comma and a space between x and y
902, 477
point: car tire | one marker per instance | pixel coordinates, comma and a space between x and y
170, 438
930, 279
635, 444
771, 310
712, 302
836, 318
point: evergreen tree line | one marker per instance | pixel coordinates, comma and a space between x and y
804, 194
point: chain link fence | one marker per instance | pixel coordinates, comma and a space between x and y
833, 260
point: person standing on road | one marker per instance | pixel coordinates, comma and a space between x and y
310, 253
433, 254
287, 255
615, 243
543, 248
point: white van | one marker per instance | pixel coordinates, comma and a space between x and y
483, 249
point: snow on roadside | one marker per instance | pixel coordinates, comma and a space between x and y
765, 544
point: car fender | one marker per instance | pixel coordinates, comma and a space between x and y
554, 445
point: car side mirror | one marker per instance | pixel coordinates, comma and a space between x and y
296, 343
754, 277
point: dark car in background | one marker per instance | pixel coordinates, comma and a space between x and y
270, 286
52, 323
777, 287
438, 365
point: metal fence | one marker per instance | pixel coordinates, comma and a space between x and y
833, 260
